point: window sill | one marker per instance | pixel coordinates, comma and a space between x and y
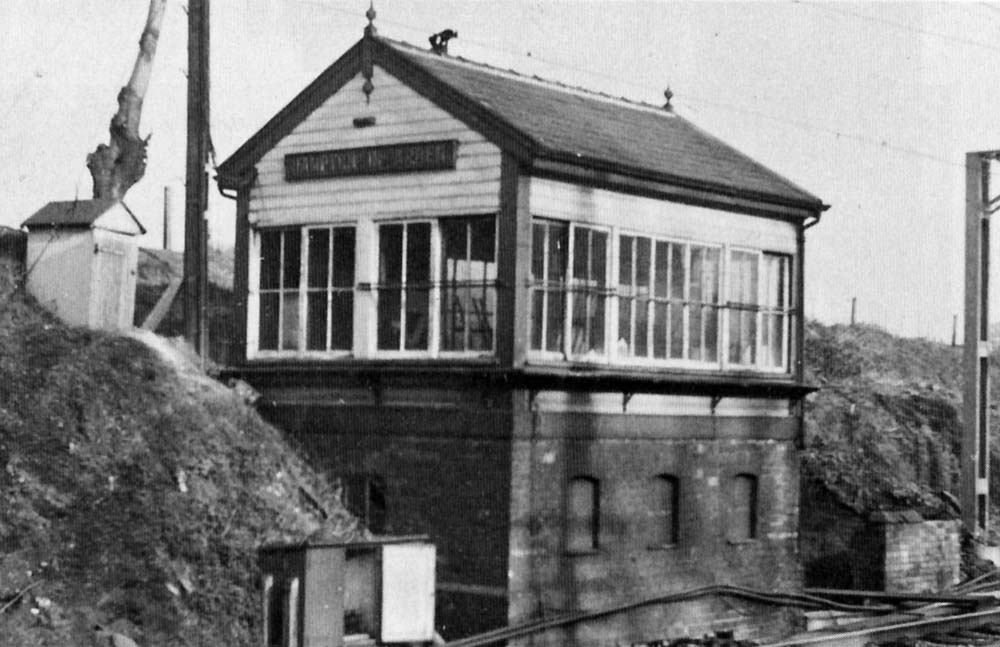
743, 542
662, 547
581, 552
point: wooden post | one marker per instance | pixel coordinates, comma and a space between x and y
196, 193
854, 306
954, 330
974, 461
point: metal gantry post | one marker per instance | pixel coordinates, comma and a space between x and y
975, 436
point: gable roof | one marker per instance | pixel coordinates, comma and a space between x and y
541, 120
75, 214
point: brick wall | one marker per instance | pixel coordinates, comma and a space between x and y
625, 454
922, 556
839, 548
446, 472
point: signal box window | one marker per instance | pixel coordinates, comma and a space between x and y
325, 289
468, 283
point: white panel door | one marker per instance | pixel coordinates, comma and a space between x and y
407, 593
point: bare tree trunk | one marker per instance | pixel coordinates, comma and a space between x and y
119, 164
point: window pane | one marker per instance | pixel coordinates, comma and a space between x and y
268, 330
599, 258
710, 279
641, 327
642, 259
537, 300
270, 260
316, 321
582, 515
538, 250
625, 326
292, 259
483, 241
343, 257
661, 321
743, 278
677, 273
581, 253
555, 317
625, 263
417, 311
418, 253
319, 257
662, 274
467, 295
342, 321
558, 232
676, 330
389, 304
743, 315
390, 241
695, 339
711, 323
484, 311
290, 321
390, 299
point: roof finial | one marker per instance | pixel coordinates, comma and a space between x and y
370, 15
668, 94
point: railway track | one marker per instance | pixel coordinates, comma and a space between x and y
976, 629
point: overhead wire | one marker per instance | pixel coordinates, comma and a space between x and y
697, 100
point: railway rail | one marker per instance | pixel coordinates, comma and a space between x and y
978, 629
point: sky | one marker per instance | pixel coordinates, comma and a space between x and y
871, 106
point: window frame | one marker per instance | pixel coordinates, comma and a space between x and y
649, 360
435, 289
255, 293
788, 314
569, 288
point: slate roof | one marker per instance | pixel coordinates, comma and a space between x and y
70, 214
573, 123
548, 120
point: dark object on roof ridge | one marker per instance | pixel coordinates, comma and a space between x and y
545, 121
69, 214
439, 41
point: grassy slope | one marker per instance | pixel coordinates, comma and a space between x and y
135, 491
884, 430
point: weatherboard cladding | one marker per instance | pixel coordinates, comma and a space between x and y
401, 115
542, 120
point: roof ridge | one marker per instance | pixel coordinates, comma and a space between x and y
534, 78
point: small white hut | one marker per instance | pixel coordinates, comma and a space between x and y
81, 261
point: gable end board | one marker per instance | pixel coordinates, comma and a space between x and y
234, 170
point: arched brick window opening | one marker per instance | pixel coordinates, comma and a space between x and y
582, 514
743, 514
666, 510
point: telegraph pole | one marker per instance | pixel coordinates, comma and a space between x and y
974, 461
196, 183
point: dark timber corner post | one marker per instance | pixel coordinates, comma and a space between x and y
974, 461
196, 194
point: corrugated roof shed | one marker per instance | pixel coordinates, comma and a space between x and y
70, 214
